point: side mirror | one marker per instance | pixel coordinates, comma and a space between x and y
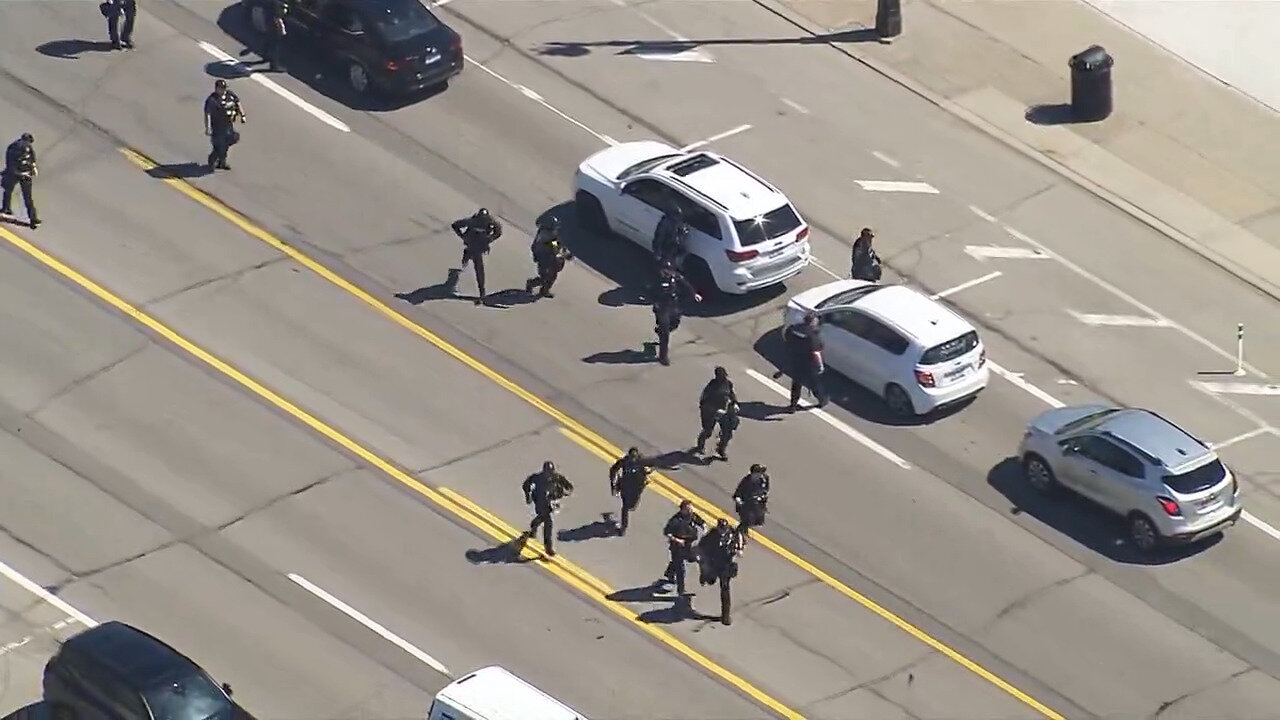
226, 688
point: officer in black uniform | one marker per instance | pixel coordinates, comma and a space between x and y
682, 530
669, 237
665, 296
478, 233
718, 554
544, 490
221, 111
19, 172
549, 257
273, 53
804, 351
751, 499
627, 480
864, 262
115, 11
717, 406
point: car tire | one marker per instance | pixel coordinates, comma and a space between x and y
1143, 533
698, 273
258, 18
898, 401
1039, 475
358, 79
591, 214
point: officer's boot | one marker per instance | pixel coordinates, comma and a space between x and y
530, 284
624, 519
722, 447
664, 346
703, 437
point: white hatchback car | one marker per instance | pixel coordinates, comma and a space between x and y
744, 233
914, 352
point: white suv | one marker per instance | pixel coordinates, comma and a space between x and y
744, 233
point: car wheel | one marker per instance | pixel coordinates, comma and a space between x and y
357, 77
258, 18
1039, 475
1143, 533
699, 276
590, 213
899, 402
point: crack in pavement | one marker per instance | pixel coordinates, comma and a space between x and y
1033, 596
544, 427
233, 277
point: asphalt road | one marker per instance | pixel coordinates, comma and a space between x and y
935, 529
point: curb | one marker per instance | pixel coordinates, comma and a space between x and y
1240, 271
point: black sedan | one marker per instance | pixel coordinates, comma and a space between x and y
395, 46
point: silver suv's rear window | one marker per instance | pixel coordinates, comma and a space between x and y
1197, 480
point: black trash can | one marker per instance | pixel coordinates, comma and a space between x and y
1091, 84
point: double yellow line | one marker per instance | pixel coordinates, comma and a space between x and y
456, 504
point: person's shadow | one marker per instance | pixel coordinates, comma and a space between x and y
72, 49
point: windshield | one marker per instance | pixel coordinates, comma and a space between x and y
848, 297
191, 698
1086, 420
402, 20
1201, 478
644, 165
950, 350
771, 225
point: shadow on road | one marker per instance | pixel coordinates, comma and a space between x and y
304, 61
1081, 520
508, 553
1053, 114
675, 47
179, 171
72, 49
602, 528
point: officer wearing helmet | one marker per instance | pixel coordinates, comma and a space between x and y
221, 111
478, 233
19, 173
665, 296
669, 237
682, 531
549, 257
718, 554
717, 406
544, 490
751, 499
628, 477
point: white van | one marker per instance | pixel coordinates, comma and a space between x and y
492, 693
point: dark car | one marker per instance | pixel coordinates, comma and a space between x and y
117, 672
395, 46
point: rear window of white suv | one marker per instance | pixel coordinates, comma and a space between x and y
770, 226
950, 350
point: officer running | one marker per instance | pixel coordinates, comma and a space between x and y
221, 111
19, 172
628, 478
273, 53
669, 237
115, 11
717, 406
718, 553
549, 257
682, 530
665, 295
544, 490
478, 233
864, 262
803, 344
751, 499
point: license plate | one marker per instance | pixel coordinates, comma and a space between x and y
958, 372
1208, 502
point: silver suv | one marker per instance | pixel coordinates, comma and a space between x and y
1168, 486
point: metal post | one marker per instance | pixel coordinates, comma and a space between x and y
1239, 350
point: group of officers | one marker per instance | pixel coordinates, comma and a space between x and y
714, 549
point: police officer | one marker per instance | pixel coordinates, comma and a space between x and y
478, 233
274, 51
751, 499
544, 490
665, 296
221, 111
804, 351
627, 480
718, 554
864, 262
549, 257
115, 10
718, 405
19, 172
682, 531
669, 236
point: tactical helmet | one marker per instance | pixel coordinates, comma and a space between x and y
722, 523
483, 214
758, 469
551, 222
633, 452
548, 467
721, 373
219, 84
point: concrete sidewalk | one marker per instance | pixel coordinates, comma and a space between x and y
1184, 152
